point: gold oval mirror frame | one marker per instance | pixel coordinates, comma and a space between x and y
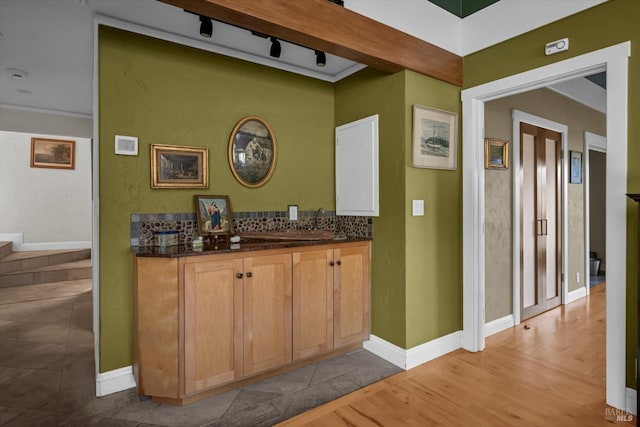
252, 152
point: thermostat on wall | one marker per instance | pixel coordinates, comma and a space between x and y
556, 46
126, 145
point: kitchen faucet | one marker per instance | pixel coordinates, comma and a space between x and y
315, 220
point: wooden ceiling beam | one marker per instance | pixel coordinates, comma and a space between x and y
325, 26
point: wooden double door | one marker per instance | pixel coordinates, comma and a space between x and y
540, 213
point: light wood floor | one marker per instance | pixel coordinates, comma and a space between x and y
552, 374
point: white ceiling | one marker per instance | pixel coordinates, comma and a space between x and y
52, 41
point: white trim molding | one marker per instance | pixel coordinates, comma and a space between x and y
575, 295
631, 401
415, 356
499, 325
18, 245
114, 381
615, 61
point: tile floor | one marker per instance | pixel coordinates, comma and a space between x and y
47, 373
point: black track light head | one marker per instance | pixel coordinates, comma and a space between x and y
276, 49
321, 58
206, 26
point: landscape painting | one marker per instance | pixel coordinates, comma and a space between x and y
52, 153
434, 138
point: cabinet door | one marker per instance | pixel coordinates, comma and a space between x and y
351, 295
312, 303
267, 312
213, 323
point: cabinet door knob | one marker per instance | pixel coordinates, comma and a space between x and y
331, 263
249, 274
339, 263
239, 275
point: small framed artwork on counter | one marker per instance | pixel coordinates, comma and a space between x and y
213, 214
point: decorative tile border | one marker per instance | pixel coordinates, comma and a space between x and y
143, 226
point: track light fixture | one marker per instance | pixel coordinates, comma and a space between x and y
276, 49
206, 26
321, 58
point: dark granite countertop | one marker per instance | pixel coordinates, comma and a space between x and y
187, 250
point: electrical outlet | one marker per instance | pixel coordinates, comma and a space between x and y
293, 212
577, 277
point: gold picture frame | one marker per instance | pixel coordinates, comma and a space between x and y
177, 166
496, 154
53, 153
252, 152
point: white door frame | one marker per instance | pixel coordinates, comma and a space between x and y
522, 117
615, 60
593, 142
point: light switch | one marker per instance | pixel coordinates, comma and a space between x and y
293, 212
418, 208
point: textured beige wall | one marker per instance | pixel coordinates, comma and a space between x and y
597, 208
29, 121
498, 192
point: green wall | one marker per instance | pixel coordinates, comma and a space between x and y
607, 24
363, 94
416, 262
169, 94
433, 241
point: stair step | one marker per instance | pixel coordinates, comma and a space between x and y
5, 249
63, 272
27, 260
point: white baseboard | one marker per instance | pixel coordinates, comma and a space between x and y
115, 381
407, 359
572, 296
15, 238
389, 352
631, 401
48, 246
433, 349
498, 325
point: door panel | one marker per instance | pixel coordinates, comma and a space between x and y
267, 312
540, 165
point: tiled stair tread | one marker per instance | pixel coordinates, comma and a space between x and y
5, 249
28, 260
34, 254
83, 263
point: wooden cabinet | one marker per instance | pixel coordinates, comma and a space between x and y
212, 323
267, 312
207, 321
351, 295
312, 303
330, 299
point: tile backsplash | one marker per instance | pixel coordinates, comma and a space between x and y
143, 226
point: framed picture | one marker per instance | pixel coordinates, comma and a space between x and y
575, 168
175, 166
126, 145
213, 215
252, 152
53, 153
496, 154
434, 138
